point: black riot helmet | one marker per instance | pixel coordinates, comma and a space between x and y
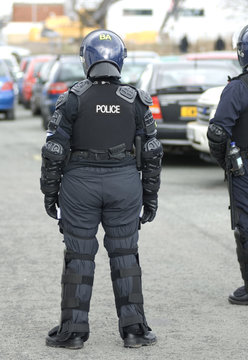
102, 53
241, 41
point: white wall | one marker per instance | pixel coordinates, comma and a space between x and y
218, 20
121, 24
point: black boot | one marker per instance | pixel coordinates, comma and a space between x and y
239, 296
134, 337
69, 340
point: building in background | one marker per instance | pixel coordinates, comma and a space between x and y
205, 20
36, 12
27, 18
158, 21
137, 21
158, 25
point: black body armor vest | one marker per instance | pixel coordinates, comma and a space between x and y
240, 130
104, 119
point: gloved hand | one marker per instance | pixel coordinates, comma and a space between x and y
50, 202
150, 209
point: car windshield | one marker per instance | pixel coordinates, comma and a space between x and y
201, 74
71, 71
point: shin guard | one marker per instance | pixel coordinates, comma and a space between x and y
242, 254
74, 309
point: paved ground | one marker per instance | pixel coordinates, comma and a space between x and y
187, 255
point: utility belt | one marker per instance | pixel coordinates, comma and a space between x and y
118, 152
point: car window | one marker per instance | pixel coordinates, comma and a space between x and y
10, 67
53, 72
37, 67
3, 69
145, 79
131, 72
198, 74
45, 70
8, 62
70, 71
24, 65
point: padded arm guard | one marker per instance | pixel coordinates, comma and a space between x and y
217, 140
53, 156
151, 167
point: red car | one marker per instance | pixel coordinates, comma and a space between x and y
30, 77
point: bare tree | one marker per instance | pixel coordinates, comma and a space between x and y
175, 5
93, 17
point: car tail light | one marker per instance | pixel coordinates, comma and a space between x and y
57, 88
155, 108
7, 86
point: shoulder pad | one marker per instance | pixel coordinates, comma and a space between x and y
80, 87
61, 100
244, 79
238, 77
127, 93
145, 97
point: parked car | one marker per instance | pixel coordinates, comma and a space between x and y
17, 51
175, 87
41, 78
23, 67
29, 78
12, 64
14, 69
135, 64
7, 92
197, 130
230, 56
65, 71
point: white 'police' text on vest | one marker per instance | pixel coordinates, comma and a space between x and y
108, 109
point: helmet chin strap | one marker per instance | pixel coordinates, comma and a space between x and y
104, 69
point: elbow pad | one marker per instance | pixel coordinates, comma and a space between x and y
53, 151
217, 140
151, 167
53, 156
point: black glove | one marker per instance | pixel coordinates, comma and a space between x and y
50, 202
150, 209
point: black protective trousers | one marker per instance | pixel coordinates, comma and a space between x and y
113, 197
240, 196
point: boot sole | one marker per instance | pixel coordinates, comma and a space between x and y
237, 302
130, 344
73, 345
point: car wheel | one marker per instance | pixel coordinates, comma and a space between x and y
34, 109
10, 114
26, 104
45, 122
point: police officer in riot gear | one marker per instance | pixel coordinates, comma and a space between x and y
89, 173
230, 124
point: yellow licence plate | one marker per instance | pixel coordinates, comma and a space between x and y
188, 111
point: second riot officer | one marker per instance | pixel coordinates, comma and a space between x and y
228, 142
89, 170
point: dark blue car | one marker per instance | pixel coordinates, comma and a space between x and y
65, 71
8, 92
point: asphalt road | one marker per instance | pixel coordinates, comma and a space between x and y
187, 255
